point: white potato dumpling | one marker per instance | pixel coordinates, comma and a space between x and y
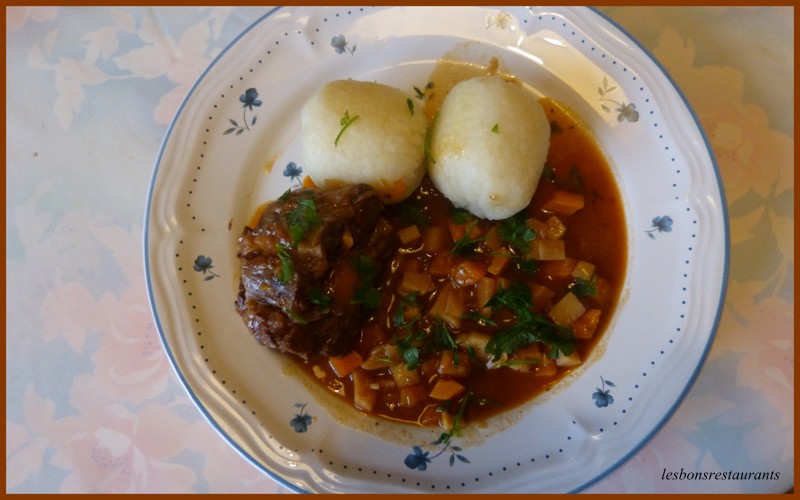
488, 146
364, 132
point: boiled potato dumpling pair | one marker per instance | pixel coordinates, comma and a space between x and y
487, 146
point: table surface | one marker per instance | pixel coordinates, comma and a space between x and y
92, 403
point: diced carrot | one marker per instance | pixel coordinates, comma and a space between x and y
457, 231
563, 202
391, 191
440, 264
542, 297
454, 364
445, 389
308, 183
498, 264
556, 269
364, 395
467, 272
585, 326
484, 290
537, 226
548, 367
412, 395
493, 241
347, 240
408, 234
567, 310
435, 239
345, 365
413, 282
449, 306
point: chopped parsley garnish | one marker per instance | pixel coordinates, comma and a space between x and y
455, 431
460, 215
366, 293
412, 211
410, 104
479, 318
296, 317
287, 267
584, 288
442, 339
528, 328
345, 122
409, 348
496, 128
319, 297
399, 319
302, 218
516, 232
466, 244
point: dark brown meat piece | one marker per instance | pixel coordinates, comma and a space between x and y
308, 307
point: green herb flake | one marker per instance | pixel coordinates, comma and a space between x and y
366, 294
516, 232
345, 122
584, 288
302, 218
496, 128
466, 244
410, 104
287, 267
528, 328
319, 297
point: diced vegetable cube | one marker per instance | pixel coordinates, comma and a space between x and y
538, 226
467, 272
586, 326
498, 264
563, 202
476, 342
484, 290
583, 270
440, 264
412, 395
542, 297
449, 306
345, 365
364, 395
526, 358
567, 310
435, 239
403, 376
570, 361
408, 234
445, 389
381, 356
557, 269
548, 368
414, 282
454, 364
548, 250
555, 229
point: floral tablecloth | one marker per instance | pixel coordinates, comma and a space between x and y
92, 404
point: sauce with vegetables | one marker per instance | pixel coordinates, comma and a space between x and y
475, 316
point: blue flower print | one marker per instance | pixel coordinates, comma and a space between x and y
339, 44
302, 420
249, 100
293, 172
202, 264
626, 111
418, 459
662, 224
602, 396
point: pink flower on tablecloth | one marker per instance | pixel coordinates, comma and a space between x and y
107, 448
18, 17
181, 62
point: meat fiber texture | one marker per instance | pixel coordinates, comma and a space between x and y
488, 146
381, 138
284, 310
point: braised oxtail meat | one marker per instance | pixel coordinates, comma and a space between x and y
310, 267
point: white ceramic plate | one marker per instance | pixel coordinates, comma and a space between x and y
231, 148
